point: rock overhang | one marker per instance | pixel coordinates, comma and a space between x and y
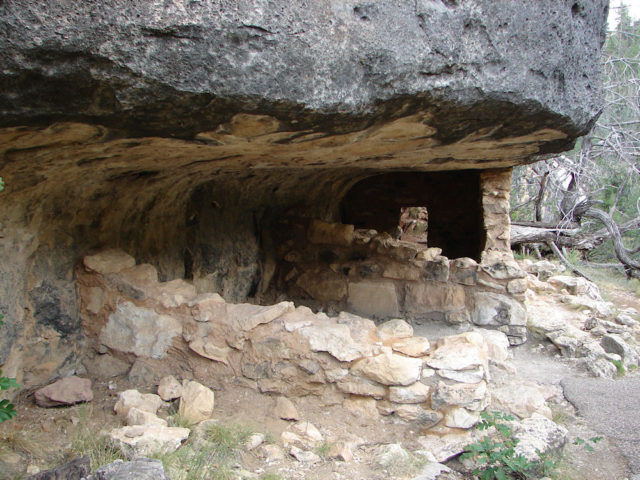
505, 69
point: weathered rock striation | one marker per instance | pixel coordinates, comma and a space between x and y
184, 132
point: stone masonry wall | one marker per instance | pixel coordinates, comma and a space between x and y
138, 326
334, 267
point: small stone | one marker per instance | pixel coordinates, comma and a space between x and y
624, 319
208, 307
336, 340
285, 409
392, 454
175, 293
497, 344
66, 391
361, 387
109, 261
417, 414
538, 436
132, 398
613, 343
412, 347
304, 455
138, 469
475, 375
341, 451
458, 417
443, 447
389, 369
307, 431
472, 396
396, 328
416, 393
272, 453
196, 403
169, 388
136, 416
149, 439
254, 441
459, 352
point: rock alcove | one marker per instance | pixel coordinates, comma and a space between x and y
245, 149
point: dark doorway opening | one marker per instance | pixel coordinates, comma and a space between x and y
452, 200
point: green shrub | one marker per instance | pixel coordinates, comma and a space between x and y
496, 457
7, 409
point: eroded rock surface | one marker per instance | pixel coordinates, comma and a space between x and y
185, 132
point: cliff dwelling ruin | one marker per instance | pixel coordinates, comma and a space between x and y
247, 157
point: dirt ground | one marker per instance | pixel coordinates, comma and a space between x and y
40, 438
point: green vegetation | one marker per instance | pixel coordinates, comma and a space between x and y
97, 447
588, 444
496, 457
211, 453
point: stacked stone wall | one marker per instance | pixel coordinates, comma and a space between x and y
334, 267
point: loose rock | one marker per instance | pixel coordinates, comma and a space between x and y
66, 391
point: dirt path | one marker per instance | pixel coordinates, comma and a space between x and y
592, 415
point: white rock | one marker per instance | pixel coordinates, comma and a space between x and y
475, 375
208, 307
145, 440
336, 340
415, 393
495, 309
196, 403
169, 388
246, 317
272, 453
458, 417
136, 416
285, 409
497, 344
443, 447
389, 369
140, 331
521, 398
459, 352
175, 293
109, 261
576, 286
304, 455
538, 435
472, 396
392, 454
396, 328
412, 347
128, 399
308, 432
254, 441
